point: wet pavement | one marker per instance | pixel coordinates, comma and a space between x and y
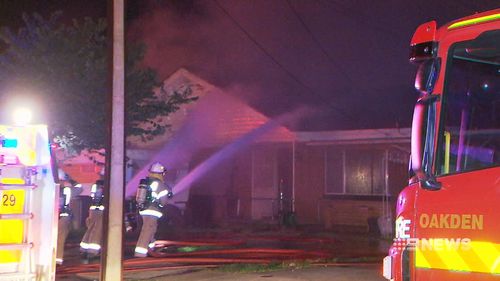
346, 273
319, 254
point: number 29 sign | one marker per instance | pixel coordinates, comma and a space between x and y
11, 201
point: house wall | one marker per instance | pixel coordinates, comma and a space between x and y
223, 193
271, 181
242, 186
264, 182
230, 190
309, 182
207, 194
315, 206
348, 213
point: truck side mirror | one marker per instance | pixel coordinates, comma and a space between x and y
426, 77
421, 134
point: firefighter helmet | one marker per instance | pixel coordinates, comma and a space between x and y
157, 168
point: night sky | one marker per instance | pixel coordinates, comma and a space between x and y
346, 59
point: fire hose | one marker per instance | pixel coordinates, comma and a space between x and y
209, 258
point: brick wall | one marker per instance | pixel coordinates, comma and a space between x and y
309, 182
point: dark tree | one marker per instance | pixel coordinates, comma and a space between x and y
65, 67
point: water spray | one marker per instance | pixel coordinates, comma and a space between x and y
232, 148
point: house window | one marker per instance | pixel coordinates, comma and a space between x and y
355, 171
334, 166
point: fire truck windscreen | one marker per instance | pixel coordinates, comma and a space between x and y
471, 106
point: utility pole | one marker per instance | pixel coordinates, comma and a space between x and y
112, 250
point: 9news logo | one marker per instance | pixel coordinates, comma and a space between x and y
403, 240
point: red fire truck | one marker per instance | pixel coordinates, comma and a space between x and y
448, 217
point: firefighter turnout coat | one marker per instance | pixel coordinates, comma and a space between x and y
92, 239
151, 197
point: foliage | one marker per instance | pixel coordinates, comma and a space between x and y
64, 68
273, 266
245, 267
362, 259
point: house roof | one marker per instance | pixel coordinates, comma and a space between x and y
83, 168
388, 135
215, 119
221, 116
234, 119
82, 173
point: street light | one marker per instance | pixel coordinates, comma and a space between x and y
22, 116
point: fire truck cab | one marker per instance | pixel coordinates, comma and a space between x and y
448, 217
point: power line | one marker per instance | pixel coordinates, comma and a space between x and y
290, 74
320, 46
275, 61
360, 17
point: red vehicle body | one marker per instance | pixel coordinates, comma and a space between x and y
448, 217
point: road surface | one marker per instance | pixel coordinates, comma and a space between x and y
313, 273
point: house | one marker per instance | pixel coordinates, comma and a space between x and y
228, 162
351, 177
199, 130
336, 179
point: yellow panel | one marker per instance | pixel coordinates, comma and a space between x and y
489, 253
452, 259
10, 256
420, 260
11, 181
12, 233
12, 201
476, 256
427, 257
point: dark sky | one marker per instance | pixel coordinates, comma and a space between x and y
346, 58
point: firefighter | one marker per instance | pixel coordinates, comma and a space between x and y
150, 197
65, 215
90, 247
